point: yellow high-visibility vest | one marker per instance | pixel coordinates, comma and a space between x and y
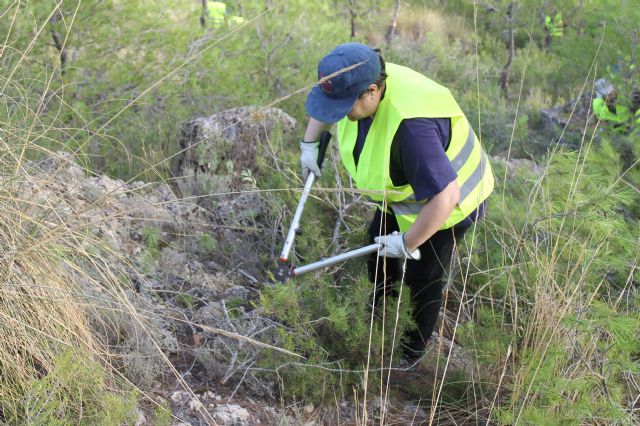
409, 94
555, 26
603, 113
217, 11
236, 20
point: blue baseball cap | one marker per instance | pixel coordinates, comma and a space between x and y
331, 100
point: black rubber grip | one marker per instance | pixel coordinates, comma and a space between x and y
325, 138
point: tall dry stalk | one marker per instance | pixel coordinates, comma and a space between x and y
45, 253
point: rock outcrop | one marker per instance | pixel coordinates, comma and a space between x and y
218, 152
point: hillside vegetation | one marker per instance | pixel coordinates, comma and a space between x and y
126, 299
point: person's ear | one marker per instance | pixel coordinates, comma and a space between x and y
372, 89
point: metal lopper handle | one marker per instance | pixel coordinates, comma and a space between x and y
362, 251
325, 138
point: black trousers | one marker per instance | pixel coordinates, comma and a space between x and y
424, 277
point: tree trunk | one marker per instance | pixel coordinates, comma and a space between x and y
391, 31
353, 15
58, 40
203, 15
504, 79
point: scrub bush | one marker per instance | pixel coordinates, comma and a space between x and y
563, 317
330, 326
73, 392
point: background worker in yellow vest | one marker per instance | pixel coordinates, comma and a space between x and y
553, 28
408, 146
218, 15
606, 107
217, 12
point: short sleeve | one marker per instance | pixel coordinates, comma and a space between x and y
421, 160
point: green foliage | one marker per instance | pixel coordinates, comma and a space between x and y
561, 393
330, 326
162, 415
149, 256
208, 243
148, 260
185, 300
139, 81
151, 237
73, 392
575, 254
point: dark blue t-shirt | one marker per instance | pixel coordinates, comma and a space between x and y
418, 157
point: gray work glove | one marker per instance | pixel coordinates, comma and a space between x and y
309, 158
394, 246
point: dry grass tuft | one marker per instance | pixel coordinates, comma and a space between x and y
40, 314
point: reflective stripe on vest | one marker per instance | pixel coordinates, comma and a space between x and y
412, 95
466, 188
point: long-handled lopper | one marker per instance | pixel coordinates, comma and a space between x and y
285, 270
362, 251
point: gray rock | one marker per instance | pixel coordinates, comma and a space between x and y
211, 314
415, 411
141, 420
519, 167
218, 150
232, 415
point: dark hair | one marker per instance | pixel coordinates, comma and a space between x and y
383, 73
382, 77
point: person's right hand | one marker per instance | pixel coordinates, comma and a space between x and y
309, 158
394, 246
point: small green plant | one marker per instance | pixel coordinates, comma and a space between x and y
151, 237
233, 304
208, 243
162, 415
149, 256
185, 300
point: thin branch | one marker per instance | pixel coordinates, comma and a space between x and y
391, 30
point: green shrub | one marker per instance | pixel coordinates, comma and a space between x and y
331, 327
73, 392
208, 243
185, 300
151, 237
555, 281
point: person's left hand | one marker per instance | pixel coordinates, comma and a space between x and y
394, 246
